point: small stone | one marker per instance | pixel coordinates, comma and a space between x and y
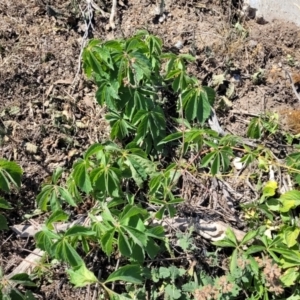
31, 148
237, 163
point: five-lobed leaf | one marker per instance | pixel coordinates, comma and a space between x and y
196, 105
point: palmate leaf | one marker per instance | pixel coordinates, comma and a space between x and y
151, 127
196, 104
44, 240
108, 93
57, 216
141, 66
139, 100
140, 168
254, 129
107, 179
91, 64
217, 158
97, 59
135, 43
10, 174
57, 174
137, 237
65, 252
53, 194
121, 127
181, 82
103, 56
154, 44
114, 46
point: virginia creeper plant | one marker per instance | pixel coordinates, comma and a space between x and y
153, 107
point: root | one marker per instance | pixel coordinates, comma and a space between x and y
112, 16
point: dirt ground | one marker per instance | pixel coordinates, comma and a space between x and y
48, 106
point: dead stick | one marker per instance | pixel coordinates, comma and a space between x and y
293, 86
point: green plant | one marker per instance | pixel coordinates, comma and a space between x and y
293, 162
121, 180
157, 114
263, 125
118, 222
269, 254
259, 77
8, 290
10, 176
133, 86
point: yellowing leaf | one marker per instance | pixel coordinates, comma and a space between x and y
270, 188
291, 235
289, 200
289, 277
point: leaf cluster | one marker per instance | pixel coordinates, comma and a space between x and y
133, 85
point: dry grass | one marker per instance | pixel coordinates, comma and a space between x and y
291, 120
